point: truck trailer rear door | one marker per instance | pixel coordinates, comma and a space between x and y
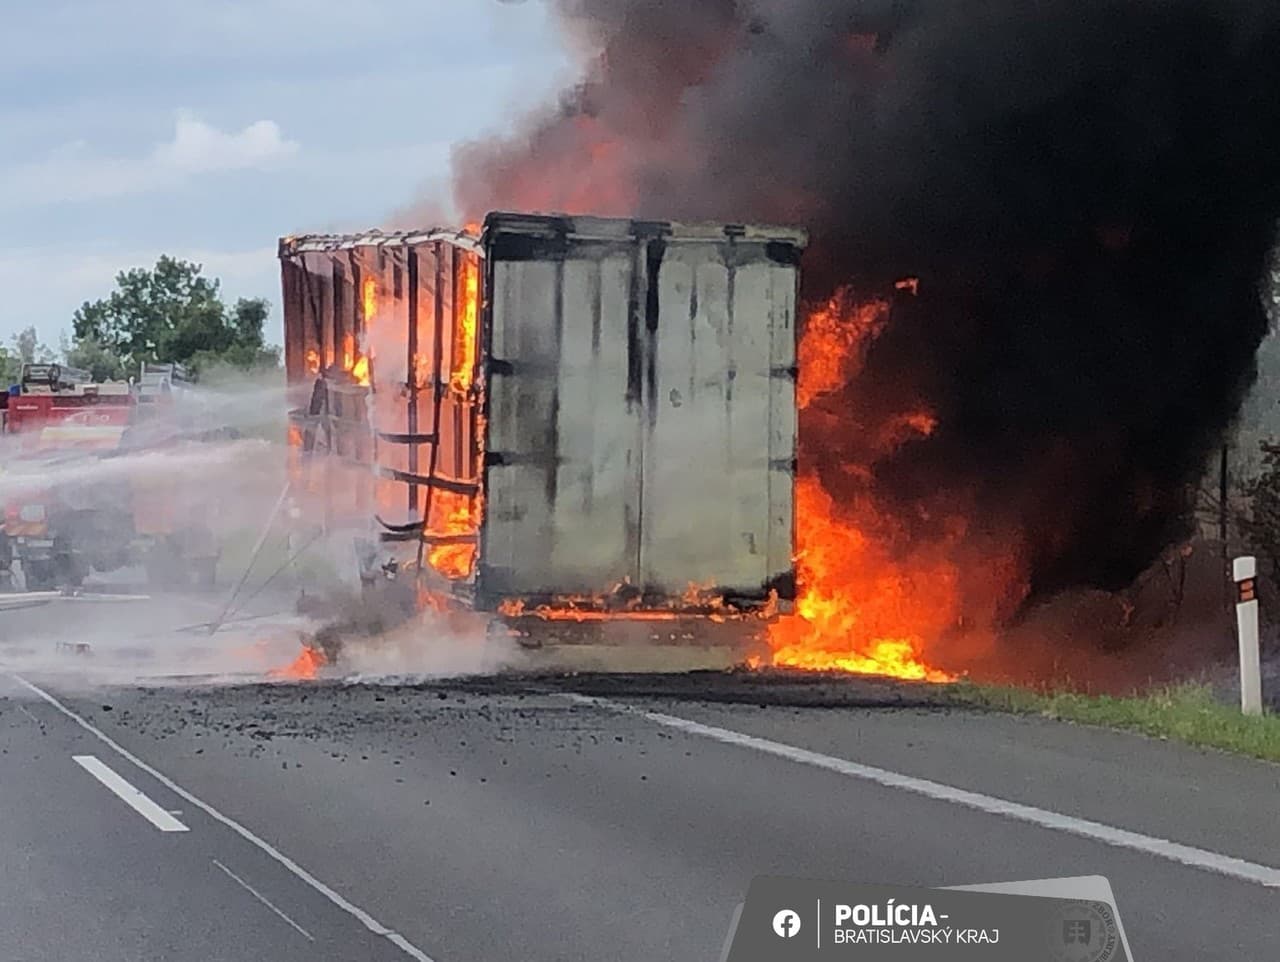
641, 408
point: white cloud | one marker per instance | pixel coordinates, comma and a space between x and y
73, 172
357, 85
198, 147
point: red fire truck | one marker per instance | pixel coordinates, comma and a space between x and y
69, 506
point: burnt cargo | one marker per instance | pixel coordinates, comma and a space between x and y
562, 413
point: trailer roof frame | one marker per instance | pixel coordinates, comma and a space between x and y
295, 245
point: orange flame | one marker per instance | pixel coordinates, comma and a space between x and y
360, 370
858, 609
354, 361
454, 561
306, 667
862, 607
313, 361
835, 336
464, 334
453, 515
369, 298
703, 600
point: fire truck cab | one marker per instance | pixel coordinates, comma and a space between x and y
65, 512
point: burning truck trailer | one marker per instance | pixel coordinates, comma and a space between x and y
584, 428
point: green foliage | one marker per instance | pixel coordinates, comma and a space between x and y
248, 318
88, 355
24, 347
173, 313
28, 347
1261, 523
238, 357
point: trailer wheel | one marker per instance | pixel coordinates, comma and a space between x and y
69, 571
165, 568
205, 572
39, 575
6, 563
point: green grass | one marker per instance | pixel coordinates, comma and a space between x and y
1187, 713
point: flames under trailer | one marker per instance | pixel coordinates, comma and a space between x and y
565, 421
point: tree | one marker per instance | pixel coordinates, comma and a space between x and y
249, 316
25, 347
1262, 523
29, 348
88, 355
172, 313
248, 350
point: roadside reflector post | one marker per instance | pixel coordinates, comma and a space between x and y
1244, 571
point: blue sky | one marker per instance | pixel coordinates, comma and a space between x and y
208, 128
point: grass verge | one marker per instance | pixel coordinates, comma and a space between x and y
1187, 713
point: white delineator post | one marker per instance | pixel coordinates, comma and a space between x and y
1244, 571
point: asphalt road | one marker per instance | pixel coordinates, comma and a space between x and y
517, 818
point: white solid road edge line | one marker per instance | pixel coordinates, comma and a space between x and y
1107, 834
363, 917
131, 796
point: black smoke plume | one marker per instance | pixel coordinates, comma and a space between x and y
1087, 191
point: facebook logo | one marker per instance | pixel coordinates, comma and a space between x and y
786, 924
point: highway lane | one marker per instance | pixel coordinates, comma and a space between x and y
132, 633
87, 876
489, 820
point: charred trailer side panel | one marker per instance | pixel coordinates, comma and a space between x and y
381, 357
640, 414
